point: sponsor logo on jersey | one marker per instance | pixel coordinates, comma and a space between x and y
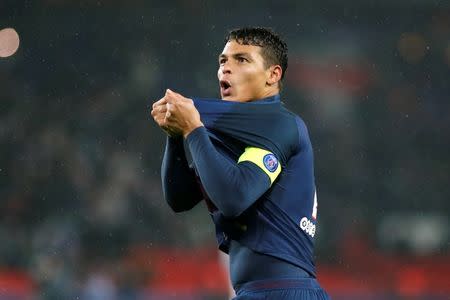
307, 226
270, 162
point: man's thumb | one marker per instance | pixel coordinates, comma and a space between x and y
169, 91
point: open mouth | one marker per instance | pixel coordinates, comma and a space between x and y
225, 88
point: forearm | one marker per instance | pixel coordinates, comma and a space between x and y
180, 188
232, 187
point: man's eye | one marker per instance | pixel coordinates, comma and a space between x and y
222, 61
242, 59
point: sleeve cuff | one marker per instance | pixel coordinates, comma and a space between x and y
196, 133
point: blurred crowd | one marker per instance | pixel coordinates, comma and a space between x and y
80, 157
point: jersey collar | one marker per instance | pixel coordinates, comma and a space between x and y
271, 99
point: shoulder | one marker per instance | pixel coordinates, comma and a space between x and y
295, 128
302, 133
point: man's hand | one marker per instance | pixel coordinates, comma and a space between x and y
176, 114
159, 112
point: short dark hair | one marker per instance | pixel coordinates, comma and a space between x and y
274, 49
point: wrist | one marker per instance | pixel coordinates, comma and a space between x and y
192, 128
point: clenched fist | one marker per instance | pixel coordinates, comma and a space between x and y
176, 114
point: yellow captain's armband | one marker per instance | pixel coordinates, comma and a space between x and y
263, 159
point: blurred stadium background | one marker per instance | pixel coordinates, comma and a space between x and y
81, 209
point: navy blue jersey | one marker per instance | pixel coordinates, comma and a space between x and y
282, 222
254, 163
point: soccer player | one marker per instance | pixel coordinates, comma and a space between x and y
261, 197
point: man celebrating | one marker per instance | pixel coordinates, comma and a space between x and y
251, 160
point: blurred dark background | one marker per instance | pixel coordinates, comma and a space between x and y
81, 210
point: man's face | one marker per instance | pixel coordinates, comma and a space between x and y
242, 74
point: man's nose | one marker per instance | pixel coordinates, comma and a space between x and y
225, 68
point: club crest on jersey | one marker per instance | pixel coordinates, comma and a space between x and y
270, 162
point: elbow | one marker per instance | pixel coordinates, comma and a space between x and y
238, 204
176, 201
177, 208
231, 213
177, 204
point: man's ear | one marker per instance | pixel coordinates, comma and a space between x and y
274, 75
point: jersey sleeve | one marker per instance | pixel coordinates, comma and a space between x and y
179, 185
231, 186
264, 159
